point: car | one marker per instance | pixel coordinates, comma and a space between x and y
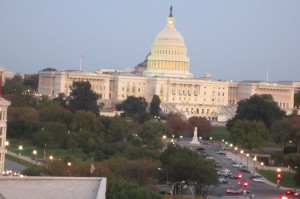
254, 176
221, 153
233, 176
292, 192
258, 180
222, 180
244, 170
236, 165
217, 165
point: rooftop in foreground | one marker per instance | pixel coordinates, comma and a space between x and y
52, 187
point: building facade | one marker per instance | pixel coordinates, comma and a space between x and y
3, 123
165, 73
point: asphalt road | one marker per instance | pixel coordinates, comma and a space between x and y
14, 166
260, 190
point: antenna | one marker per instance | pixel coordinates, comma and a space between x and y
81, 57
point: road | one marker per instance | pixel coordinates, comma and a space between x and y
259, 190
14, 166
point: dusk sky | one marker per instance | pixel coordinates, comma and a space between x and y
231, 39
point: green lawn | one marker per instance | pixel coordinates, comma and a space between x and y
219, 133
287, 178
28, 148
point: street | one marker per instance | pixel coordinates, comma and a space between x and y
259, 190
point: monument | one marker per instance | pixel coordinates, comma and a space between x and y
195, 140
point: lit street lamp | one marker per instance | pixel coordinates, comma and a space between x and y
6, 144
254, 160
235, 150
69, 169
247, 155
166, 173
34, 152
20, 149
242, 151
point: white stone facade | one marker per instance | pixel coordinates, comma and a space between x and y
3, 124
167, 75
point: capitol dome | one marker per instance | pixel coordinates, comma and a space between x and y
168, 56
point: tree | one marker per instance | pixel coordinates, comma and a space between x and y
151, 134
183, 164
126, 190
82, 97
295, 125
281, 131
154, 105
249, 134
133, 106
61, 99
202, 124
55, 113
22, 122
297, 176
176, 123
32, 81
257, 107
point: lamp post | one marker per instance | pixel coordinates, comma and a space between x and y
254, 160
242, 151
262, 165
247, 155
166, 173
20, 149
6, 144
69, 169
235, 150
34, 152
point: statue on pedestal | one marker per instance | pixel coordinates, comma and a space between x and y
195, 140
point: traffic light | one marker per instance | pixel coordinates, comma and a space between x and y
278, 176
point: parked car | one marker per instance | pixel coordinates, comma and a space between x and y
236, 165
258, 180
254, 176
244, 170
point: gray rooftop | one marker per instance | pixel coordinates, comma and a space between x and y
52, 187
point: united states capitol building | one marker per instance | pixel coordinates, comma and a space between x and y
165, 73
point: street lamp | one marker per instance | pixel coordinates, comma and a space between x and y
242, 151
235, 150
69, 169
247, 155
160, 169
6, 144
34, 152
20, 149
254, 160
262, 165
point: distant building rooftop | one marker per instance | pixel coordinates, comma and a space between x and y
52, 187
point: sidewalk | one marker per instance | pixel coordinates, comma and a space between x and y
25, 158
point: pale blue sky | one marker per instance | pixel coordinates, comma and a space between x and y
231, 39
